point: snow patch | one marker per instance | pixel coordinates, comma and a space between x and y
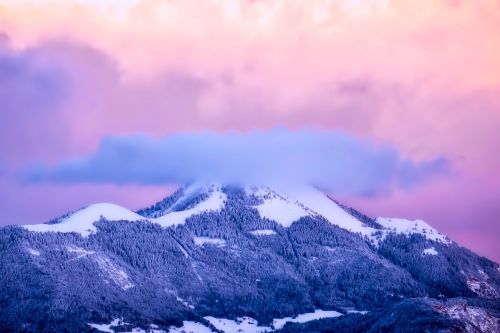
263, 232
243, 325
119, 322
318, 203
180, 299
184, 302
408, 227
201, 241
33, 252
481, 288
107, 327
250, 325
278, 207
357, 311
140, 330
214, 202
190, 327
82, 221
274, 205
117, 275
305, 317
474, 318
80, 253
184, 252
431, 251
483, 274
308, 201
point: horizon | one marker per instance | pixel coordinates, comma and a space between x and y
123, 101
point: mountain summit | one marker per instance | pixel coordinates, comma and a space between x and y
217, 258
281, 206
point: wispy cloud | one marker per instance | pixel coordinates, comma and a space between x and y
333, 160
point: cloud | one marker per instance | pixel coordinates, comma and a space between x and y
61, 89
33, 89
28, 87
333, 160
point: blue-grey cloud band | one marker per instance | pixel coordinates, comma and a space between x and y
332, 160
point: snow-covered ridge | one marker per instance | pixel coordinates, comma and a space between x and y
82, 221
278, 206
287, 206
284, 206
408, 227
214, 202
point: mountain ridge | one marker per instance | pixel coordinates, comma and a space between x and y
216, 258
276, 205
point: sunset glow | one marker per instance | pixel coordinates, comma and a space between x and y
422, 77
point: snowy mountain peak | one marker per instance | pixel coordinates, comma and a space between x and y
287, 206
184, 198
82, 220
190, 200
283, 206
246, 258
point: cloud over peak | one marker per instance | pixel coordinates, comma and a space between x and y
333, 160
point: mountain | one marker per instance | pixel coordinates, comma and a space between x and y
219, 258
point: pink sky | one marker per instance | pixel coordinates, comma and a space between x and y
423, 76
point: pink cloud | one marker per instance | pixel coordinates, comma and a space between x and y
423, 76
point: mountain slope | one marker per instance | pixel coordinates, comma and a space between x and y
210, 254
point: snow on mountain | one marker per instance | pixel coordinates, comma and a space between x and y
431, 251
287, 206
278, 207
475, 319
187, 328
82, 221
263, 232
107, 327
214, 202
200, 241
481, 287
305, 317
243, 325
190, 327
319, 203
34, 252
282, 206
250, 325
80, 253
241, 263
107, 266
408, 227
115, 273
